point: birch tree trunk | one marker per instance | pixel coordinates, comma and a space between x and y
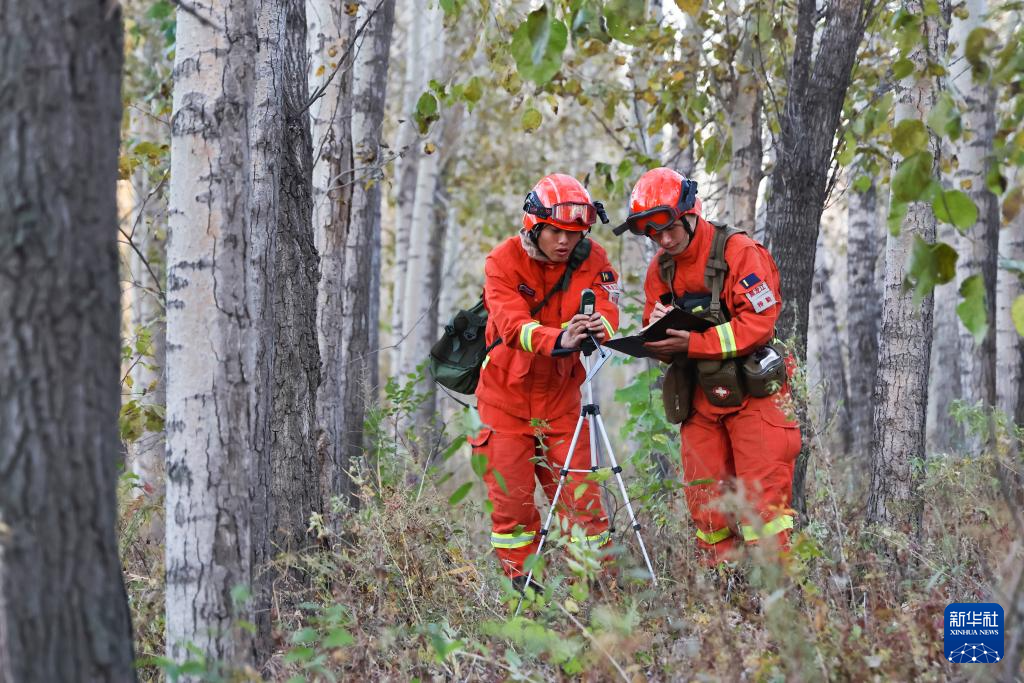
217, 360
863, 246
901, 389
416, 299
1009, 347
63, 609
361, 279
743, 119
146, 258
978, 248
331, 33
830, 354
944, 434
417, 63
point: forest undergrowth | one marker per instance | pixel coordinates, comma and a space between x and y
409, 589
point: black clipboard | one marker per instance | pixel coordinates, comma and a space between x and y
675, 319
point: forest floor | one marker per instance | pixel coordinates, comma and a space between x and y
411, 591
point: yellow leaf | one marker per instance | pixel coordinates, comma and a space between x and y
429, 148
351, 8
320, 70
966, 184
333, 52
691, 7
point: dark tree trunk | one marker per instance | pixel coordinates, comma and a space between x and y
809, 119
63, 609
799, 183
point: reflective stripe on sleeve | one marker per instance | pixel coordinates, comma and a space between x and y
608, 327
727, 340
526, 335
777, 525
487, 360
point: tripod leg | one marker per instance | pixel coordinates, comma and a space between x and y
617, 470
562, 474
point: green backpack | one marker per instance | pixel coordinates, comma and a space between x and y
456, 358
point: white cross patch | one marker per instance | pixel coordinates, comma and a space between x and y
761, 297
614, 291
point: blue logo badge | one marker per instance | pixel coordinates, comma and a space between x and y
974, 633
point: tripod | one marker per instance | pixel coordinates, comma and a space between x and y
591, 412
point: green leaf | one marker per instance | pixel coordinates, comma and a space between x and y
304, 636
954, 206
862, 183
537, 46
474, 90
902, 68
1017, 313
972, 310
944, 118
454, 447
298, 654
712, 154
579, 491
930, 265
426, 112
460, 493
979, 44
501, 480
913, 177
909, 136
625, 19
338, 637
161, 9
240, 594
531, 120
897, 213
479, 463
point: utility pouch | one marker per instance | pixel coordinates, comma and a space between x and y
677, 389
764, 371
721, 382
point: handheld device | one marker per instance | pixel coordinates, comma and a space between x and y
588, 302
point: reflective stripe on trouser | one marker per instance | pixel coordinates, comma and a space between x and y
515, 520
769, 528
756, 445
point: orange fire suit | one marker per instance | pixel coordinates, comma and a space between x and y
529, 401
755, 443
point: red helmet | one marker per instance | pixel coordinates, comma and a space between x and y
659, 198
561, 201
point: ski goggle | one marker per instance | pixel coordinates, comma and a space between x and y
652, 221
565, 212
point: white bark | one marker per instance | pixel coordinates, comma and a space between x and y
1009, 346
978, 247
147, 230
330, 35
415, 299
901, 388
828, 351
417, 66
944, 433
864, 243
743, 119
215, 353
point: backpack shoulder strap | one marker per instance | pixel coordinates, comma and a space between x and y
716, 268
667, 271
579, 254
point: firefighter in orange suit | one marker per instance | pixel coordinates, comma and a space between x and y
729, 434
528, 399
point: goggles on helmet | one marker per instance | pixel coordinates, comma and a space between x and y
565, 212
656, 219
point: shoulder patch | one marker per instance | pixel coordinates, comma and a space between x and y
608, 276
761, 297
749, 281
